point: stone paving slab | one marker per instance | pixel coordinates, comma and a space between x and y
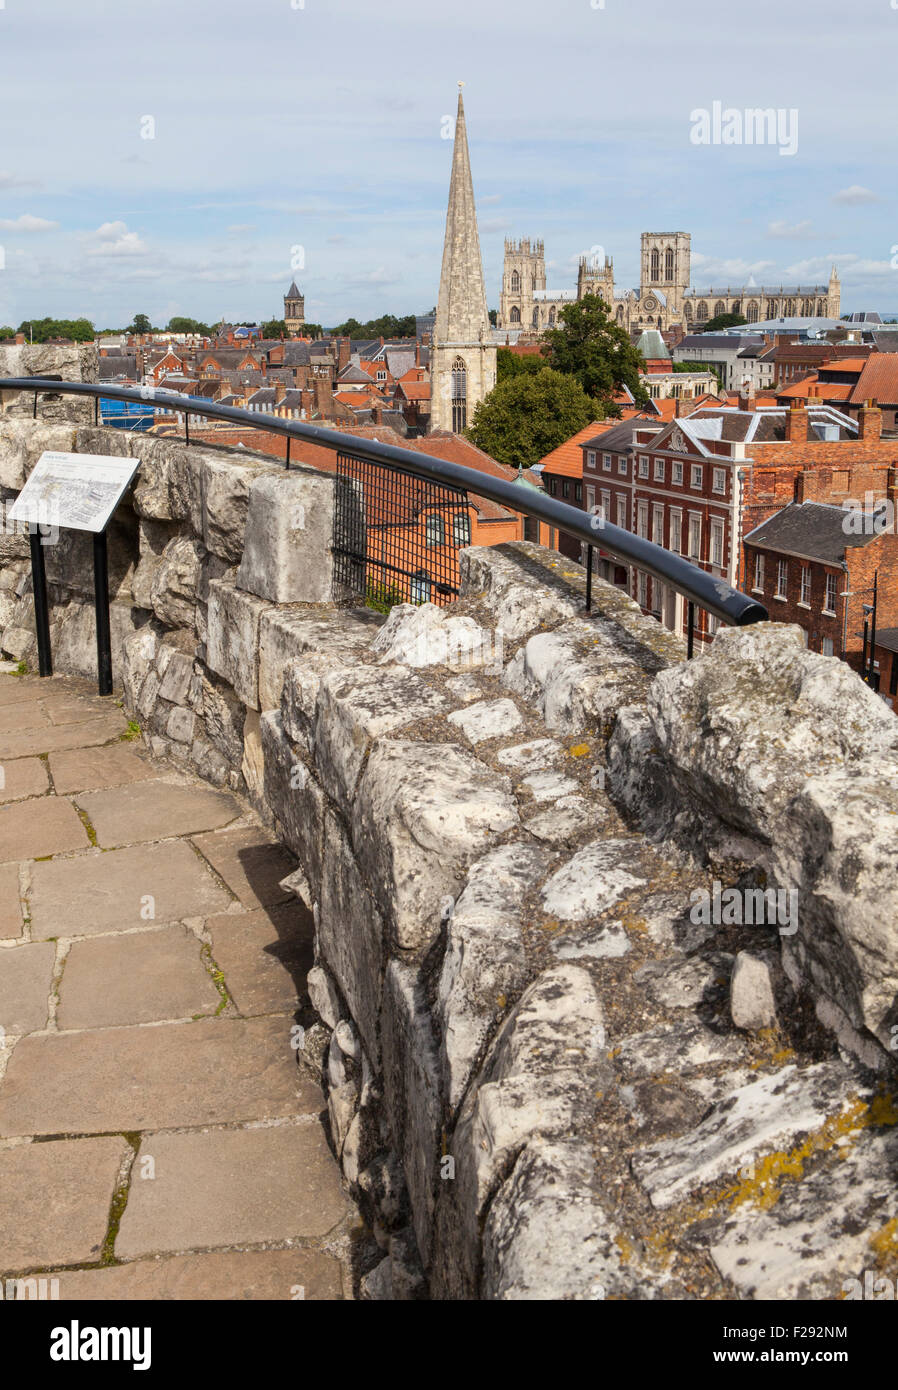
74, 709
250, 862
96, 892
19, 689
155, 810
226, 1187
214, 1071
10, 904
23, 777
100, 728
55, 1199
142, 977
26, 973
35, 829
87, 769
22, 717
221, 1275
265, 956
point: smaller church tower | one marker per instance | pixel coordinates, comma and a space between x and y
294, 311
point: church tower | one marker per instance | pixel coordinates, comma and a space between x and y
834, 296
463, 354
294, 311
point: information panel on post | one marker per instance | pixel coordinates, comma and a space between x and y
73, 492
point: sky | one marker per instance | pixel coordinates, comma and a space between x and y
193, 157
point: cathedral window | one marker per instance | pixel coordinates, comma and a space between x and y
669, 264
536, 318
702, 310
516, 315
752, 312
719, 308
459, 396
515, 282
655, 263
552, 317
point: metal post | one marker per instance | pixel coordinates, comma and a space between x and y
34, 409
288, 453
186, 427
101, 606
96, 410
873, 630
41, 607
589, 579
690, 630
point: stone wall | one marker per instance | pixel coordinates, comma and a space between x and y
546, 1076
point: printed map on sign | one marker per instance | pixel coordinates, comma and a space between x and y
78, 492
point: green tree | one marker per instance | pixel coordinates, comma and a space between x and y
494, 317
387, 326
526, 416
183, 325
6, 333
593, 348
274, 328
509, 364
42, 330
139, 324
722, 321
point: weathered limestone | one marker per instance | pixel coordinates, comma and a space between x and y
232, 645
288, 532
418, 821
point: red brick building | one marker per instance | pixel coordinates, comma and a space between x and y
814, 564
698, 484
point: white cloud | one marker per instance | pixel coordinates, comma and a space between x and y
114, 239
855, 196
785, 230
26, 223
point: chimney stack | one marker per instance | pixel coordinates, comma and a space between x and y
20, 339
870, 422
797, 423
280, 392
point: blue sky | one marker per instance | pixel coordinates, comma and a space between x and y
319, 123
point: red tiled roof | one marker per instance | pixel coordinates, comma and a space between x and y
878, 381
567, 459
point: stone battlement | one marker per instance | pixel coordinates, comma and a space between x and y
560, 1060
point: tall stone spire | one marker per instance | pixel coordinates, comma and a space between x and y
462, 315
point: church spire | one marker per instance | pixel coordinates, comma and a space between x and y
462, 315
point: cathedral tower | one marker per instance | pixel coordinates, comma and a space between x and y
523, 275
463, 354
665, 266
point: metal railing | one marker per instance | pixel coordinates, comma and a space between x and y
700, 590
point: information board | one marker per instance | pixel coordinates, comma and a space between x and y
78, 492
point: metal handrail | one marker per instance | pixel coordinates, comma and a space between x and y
717, 597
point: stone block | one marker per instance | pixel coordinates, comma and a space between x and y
422, 814
232, 643
350, 935
289, 529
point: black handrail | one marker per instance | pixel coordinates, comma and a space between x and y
717, 597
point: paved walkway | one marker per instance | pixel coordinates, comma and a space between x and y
157, 1138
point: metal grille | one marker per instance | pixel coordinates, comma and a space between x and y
397, 536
